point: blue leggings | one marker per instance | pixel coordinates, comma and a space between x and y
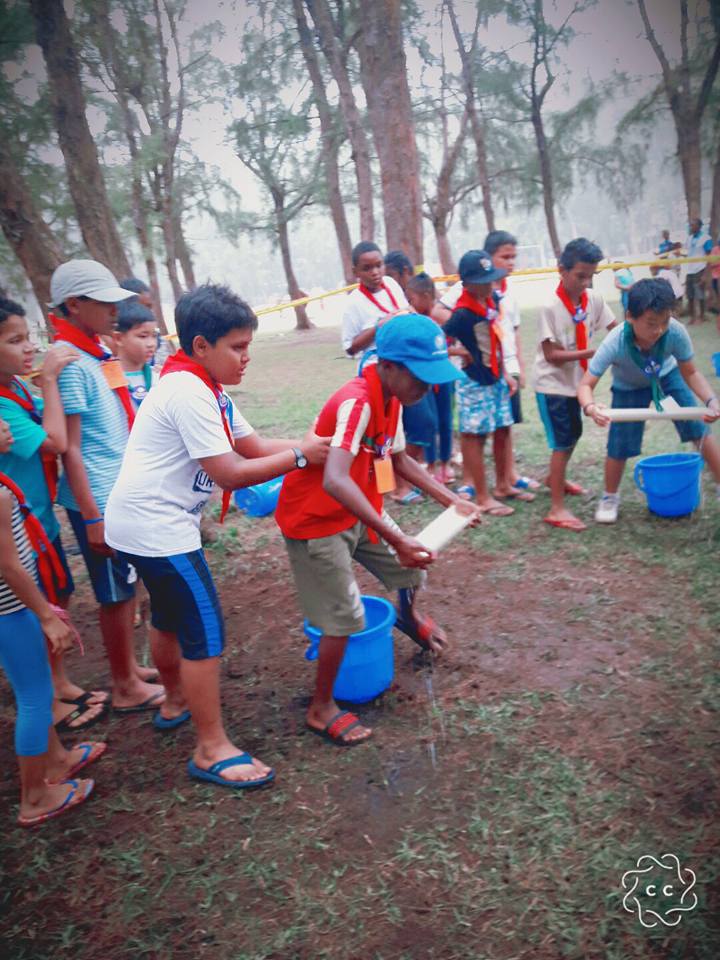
443, 400
23, 656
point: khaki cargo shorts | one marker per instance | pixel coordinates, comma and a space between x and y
325, 582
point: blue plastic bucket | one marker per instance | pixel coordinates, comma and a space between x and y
716, 363
671, 482
260, 500
368, 666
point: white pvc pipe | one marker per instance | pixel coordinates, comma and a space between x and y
620, 415
440, 531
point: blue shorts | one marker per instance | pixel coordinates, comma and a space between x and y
113, 580
420, 422
625, 439
561, 418
483, 407
183, 601
516, 407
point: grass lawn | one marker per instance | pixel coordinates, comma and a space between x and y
571, 729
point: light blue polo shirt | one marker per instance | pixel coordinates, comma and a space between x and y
23, 463
626, 374
85, 391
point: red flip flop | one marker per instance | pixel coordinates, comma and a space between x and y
340, 725
574, 489
576, 526
91, 751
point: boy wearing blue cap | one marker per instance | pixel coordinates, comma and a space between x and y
333, 514
483, 394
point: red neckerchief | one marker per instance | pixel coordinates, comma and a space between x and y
180, 361
64, 330
48, 561
502, 287
579, 315
488, 312
385, 422
49, 460
368, 293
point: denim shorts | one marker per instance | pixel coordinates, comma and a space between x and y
625, 439
113, 580
561, 418
483, 408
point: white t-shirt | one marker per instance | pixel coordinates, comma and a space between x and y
509, 319
555, 323
154, 508
361, 313
672, 279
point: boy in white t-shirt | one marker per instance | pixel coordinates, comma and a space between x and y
186, 438
566, 327
376, 299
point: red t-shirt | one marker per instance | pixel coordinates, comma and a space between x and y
350, 417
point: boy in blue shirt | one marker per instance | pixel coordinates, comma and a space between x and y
651, 358
99, 414
135, 345
39, 433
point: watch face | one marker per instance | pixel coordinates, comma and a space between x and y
302, 461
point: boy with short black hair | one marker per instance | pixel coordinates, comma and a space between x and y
187, 438
99, 414
567, 326
376, 298
333, 514
483, 393
651, 358
135, 345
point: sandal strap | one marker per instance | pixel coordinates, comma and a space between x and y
237, 761
341, 724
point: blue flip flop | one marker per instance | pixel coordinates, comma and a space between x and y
212, 774
170, 723
466, 488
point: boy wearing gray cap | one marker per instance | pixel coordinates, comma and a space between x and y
99, 415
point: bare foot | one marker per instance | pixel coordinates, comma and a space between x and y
565, 521
493, 508
320, 715
52, 797
148, 674
241, 772
136, 693
71, 761
71, 693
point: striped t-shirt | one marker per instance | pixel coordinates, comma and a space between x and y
85, 391
9, 603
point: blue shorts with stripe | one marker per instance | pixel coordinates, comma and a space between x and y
183, 601
113, 579
561, 418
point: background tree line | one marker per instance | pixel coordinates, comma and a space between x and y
323, 110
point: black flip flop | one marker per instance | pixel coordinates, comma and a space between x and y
150, 704
64, 725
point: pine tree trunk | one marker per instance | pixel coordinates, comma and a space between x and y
547, 180
383, 71
322, 18
447, 261
302, 321
183, 253
27, 233
478, 133
690, 157
164, 206
330, 142
715, 199
67, 99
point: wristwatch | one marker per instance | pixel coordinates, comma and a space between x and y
301, 461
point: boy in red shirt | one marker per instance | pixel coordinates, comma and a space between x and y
333, 514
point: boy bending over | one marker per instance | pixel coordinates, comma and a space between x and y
333, 515
651, 358
187, 437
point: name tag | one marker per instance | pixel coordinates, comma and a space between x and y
113, 372
384, 474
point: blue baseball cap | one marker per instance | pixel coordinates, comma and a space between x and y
418, 343
476, 266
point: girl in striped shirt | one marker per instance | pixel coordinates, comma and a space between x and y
27, 620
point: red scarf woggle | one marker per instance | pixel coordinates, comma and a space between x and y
369, 294
488, 312
48, 562
181, 361
64, 330
25, 400
579, 315
386, 424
